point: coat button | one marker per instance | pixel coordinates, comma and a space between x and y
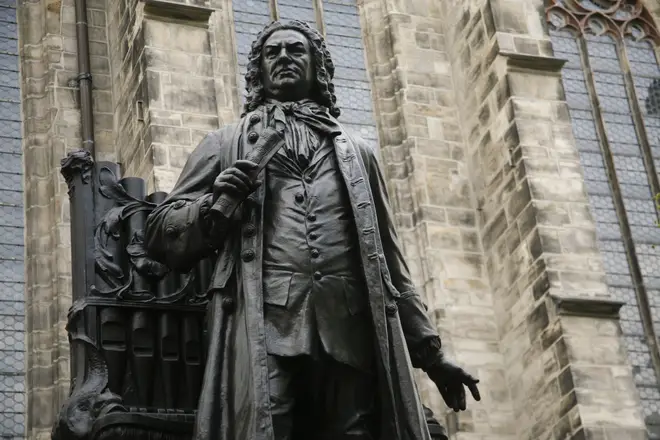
249, 230
318, 276
391, 309
311, 217
170, 231
315, 253
299, 198
313, 235
255, 118
309, 178
252, 137
247, 255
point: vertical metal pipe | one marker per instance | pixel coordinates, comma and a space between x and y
84, 78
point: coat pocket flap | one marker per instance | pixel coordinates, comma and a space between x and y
224, 269
356, 296
276, 288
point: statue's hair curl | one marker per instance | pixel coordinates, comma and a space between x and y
323, 91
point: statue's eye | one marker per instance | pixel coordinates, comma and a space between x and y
297, 51
271, 52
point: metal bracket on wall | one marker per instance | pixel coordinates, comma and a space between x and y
139, 110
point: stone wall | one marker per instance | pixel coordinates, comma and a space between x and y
566, 369
51, 126
482, 171
424, 155
175, 82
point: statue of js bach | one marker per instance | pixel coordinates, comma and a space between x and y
315, 324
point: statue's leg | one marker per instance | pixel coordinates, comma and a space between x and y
281, 383
351, 412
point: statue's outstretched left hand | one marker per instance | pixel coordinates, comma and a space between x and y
451, 381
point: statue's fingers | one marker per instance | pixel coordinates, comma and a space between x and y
245, 165
448, 397
235, 173
467, 378
462, 404
472, 386
455, 398
231, 183
457, 394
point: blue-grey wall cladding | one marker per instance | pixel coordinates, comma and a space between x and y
12, 334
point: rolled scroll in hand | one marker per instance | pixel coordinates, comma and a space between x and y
267, 145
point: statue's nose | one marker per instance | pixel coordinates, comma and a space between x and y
283, 53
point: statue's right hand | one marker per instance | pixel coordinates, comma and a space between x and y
237, 180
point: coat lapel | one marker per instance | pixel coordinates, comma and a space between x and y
357, 184
406, 421
252, 283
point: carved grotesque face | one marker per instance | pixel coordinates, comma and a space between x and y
287, 66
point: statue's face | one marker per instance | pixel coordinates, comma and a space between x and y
287, 66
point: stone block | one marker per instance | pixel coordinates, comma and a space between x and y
510, 17
161, 154
170, 135
178, 37
178, 61
456, 190
439, 237
566, 190
187, 94
578, 241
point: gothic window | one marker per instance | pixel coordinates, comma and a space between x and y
339, 21
612, 86
12, 334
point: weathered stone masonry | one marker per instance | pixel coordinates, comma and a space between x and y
566, 371
482, 166
423, 152
51, 127
175, 82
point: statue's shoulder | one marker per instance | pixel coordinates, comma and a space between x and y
366, 148
216, 145
218, 139
226, 132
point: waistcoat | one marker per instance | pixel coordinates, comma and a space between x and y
314, 294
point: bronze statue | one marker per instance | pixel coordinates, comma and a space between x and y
315, 324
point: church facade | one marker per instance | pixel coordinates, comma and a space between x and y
520, 140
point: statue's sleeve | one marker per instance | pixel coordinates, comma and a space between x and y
421, 335
178, 232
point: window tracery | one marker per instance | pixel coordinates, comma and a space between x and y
621, 18
612, 88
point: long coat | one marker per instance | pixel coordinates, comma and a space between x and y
234, 402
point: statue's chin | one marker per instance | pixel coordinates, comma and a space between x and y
288, 90
287, 83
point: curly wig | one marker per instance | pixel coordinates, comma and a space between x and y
323, 91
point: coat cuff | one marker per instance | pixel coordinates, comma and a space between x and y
204, 210
427, 354
210, 225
